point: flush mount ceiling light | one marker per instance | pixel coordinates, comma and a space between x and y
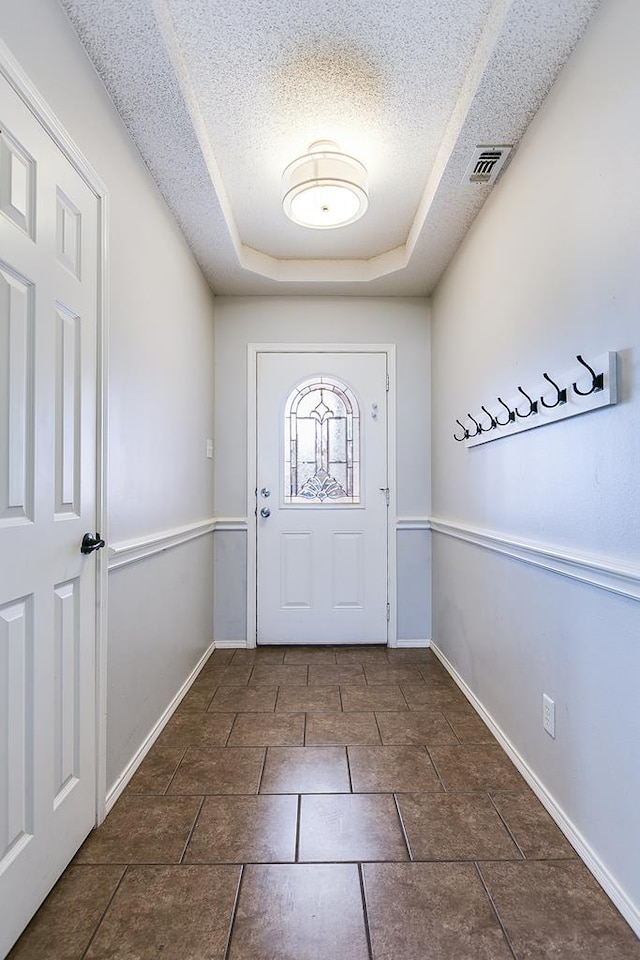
325, 188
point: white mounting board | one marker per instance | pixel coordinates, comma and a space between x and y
606, 363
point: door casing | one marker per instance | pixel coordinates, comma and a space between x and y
21, 83
253, 349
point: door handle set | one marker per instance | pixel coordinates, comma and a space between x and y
265, 512
91, 543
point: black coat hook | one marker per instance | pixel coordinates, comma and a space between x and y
492, 419
533, 406
597, 380
478, 427
465, 432
561, 394
511, 418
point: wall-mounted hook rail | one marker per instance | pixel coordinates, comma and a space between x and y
506, 418
511, 415
597, 380
492, 420
561, 394
465, 433
533, 406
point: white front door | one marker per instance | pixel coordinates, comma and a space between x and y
321, 497
48, 310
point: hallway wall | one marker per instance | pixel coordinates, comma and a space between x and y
160, 393
550, 270
404, 322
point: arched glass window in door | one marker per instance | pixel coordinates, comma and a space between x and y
322, 443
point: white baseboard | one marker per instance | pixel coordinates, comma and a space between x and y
114, 792
411, 644
611, 887
230, 644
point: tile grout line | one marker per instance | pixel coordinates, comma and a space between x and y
226, 743
450, 725
435, 767
375, 717
508, 828
495, 909
304, 730
234, 913
275, 706
402, 827
104, 913
365, 912
165, 792
296, 854
261, 777
346, 750
193, 827
211, 699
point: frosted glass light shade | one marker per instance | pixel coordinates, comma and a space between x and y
325, 188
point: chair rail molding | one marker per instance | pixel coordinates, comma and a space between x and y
413, 523
231, 525
607, 573
124, 552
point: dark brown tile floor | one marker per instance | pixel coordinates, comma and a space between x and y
318, 803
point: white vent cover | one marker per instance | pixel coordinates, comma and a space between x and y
486, 163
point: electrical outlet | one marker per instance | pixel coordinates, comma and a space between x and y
549, 715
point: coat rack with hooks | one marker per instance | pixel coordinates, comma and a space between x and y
589, 385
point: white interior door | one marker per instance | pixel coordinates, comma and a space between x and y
321, 497
48, 306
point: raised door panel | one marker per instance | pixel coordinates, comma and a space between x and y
16, 397
68, 393
17, 183
66, 680
347, 570
16, 729
296, 577
68, 233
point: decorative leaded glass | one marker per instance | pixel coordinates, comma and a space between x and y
322, 443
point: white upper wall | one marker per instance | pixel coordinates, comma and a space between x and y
161, 310
244, 320
550, 270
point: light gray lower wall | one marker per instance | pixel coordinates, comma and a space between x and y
165, 598
414, 589
515, 632
230, 585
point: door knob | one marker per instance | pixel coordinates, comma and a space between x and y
265, 492
265, 512
91, 543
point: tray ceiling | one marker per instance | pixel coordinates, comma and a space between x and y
220, 97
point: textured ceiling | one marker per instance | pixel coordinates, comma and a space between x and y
220, 97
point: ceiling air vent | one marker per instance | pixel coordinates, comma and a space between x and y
486, 163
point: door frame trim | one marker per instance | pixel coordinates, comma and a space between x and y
15, 75
253, 349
